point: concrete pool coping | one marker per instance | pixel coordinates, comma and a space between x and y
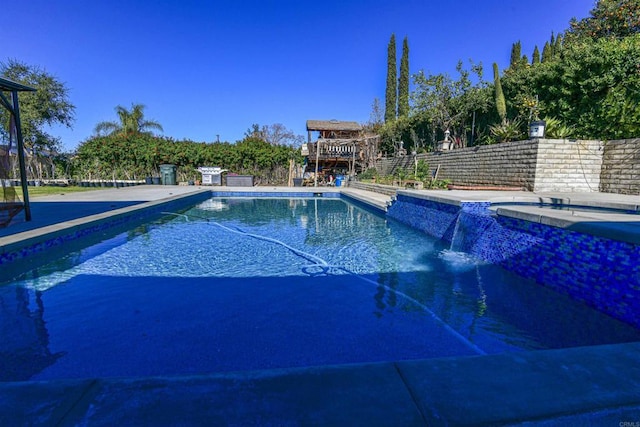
576, 386
604, 200
588, 385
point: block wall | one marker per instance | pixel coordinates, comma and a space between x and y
536, 165
568, 165
511, 164
621, 167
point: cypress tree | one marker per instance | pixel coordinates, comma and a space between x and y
552, 45
516, 53
501, 105
557, 47
535, 59
546, 53
391, 93
403, 83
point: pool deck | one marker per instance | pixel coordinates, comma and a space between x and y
598, 385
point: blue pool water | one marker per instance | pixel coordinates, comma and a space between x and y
239, 283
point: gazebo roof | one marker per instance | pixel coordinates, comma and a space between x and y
316, 125
10, 85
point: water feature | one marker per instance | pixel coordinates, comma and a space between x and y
589, 256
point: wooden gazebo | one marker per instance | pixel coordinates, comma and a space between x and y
342, 147
10, 206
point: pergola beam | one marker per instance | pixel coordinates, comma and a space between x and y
14, 109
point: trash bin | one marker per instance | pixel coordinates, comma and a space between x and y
339, 179
297, 182
168, 174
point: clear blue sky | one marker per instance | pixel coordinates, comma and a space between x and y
208, 68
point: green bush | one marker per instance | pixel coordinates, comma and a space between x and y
422, 171
136, 156
439, 184
369, 174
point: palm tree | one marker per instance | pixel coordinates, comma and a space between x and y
131, 122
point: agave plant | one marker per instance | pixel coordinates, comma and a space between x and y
556, 129
483, 137
507, 130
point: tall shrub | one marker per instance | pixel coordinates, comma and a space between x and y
403, 83
391, 92
535, 58
516, 53
501, 105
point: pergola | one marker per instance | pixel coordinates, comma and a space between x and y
12, 105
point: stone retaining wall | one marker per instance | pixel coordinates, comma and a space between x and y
535, 165
568, 165
511, 164
621, 167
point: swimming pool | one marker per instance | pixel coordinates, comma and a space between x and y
243, 283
